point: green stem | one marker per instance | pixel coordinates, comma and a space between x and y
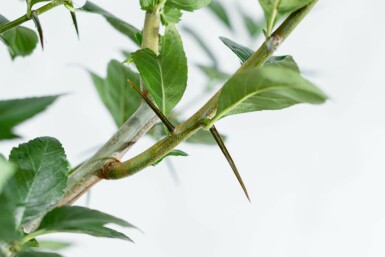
24, 18
28, 237
88, 174
182, 132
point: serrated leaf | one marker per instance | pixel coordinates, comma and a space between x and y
188, 5
41, 177
274, 9
120, 25
21, 41
218, 9
16, 111
76, 219
242, 52
174, 152
170, 15
36, 254
266, 88
148, 4
165, 76
116, 93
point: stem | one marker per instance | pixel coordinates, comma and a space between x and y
182, 132
91, 172
24, 18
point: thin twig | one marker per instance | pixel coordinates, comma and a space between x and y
226, 153
161, 116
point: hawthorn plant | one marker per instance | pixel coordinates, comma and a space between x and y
37, 184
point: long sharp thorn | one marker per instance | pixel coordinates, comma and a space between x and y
75, 21
35, 18
161, 116
221, 145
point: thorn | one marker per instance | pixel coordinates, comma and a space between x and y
35, 18
161, 116
221, 145
75, 21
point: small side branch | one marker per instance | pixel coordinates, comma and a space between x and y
161, 116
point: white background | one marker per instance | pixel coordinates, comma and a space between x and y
315, 173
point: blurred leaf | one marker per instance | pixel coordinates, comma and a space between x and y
203, 45
170, 15
253, 27
120, 25
7, 170
53, 245
266, 88
217, 8
76, 219
242, 52
203, 137
36, 254
21, 41
174, 152
16, 111
274, 9
8, 232
116, 93
165, 76
40, 179
188, 5
213, 75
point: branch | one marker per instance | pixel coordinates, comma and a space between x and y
144, 118
25, 18
198, 121
134, 128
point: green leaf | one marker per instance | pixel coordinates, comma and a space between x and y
165, 76
16, 111
170, 15
266, 88
217, 8
284, 61
120, 25
242, 52
274, 9
116, 93
148, 4
21, 41
76, 219
174, 152
41, 178
36, 254
188, 5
